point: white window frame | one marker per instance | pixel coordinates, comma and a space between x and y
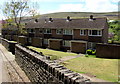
66, 43
68, 31
45, 41
99, 33
45, 31
58, 31
82, 32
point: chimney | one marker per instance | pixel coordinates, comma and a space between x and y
36, 20
91, 16
68, 18
45, 21
50, 19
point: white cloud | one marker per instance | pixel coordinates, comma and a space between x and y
115, 1
89, 6
100, 6
57, 0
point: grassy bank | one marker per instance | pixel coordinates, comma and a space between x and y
52, 53
106, 69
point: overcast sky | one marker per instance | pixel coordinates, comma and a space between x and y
51, 6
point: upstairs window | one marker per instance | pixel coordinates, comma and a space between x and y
95, 32
82, 32
68, 32
66, 43
58, 31
47, 31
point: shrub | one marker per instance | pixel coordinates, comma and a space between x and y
90, 52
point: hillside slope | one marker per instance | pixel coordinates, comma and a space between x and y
109, 15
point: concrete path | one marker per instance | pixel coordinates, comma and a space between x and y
9, 69
70, 57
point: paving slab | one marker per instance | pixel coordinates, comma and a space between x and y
10, 70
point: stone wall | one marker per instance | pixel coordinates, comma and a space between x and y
9, 45
108, 51
40, 69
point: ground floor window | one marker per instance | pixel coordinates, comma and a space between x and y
45, 41
66, 43
92, 45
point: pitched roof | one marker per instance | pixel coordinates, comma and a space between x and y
74, 23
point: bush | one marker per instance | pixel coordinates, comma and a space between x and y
90, 52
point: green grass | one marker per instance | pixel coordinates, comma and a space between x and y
81, 14
52, 53
106, 69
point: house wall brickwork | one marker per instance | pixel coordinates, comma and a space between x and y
39, 69
54, 35
77, 35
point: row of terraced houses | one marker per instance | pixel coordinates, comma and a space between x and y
66, 34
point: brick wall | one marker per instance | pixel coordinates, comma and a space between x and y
108, 51
39, 69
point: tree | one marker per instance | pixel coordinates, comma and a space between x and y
14, 11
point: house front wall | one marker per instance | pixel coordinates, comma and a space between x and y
55, 35
95, 39
77, 36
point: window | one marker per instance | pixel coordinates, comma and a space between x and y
45, 41
40, 30
68, 31
47, 31
66, 43
30, 40
95, 32
31, 30
82, 32
58, 31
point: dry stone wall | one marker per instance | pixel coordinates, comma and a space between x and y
40, 69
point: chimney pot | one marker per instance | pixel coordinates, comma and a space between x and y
36, 20
91, 16
50, 19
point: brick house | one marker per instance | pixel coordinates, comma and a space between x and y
75, 35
